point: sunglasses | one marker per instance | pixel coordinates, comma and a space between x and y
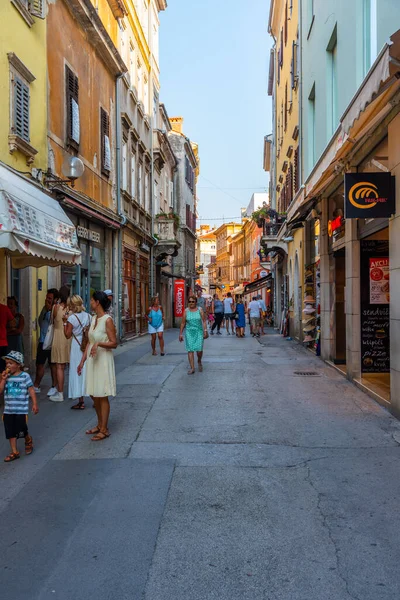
192, 301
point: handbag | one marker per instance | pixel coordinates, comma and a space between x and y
48, 339
85, 335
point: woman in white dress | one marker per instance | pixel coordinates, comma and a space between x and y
74, 326
100, 370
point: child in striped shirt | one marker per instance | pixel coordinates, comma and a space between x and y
18, 388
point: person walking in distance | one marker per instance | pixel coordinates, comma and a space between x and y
255, 316
195, 326
201, 302
100, 368
155, 317
6, 320
60, 349
241, 320
76, 329
263, 307
18, 388
217, 308
43, 356
14, 333
229, 311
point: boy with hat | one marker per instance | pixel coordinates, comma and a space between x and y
18, 388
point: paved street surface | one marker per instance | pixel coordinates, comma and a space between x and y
244, 482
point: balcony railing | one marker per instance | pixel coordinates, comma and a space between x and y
271, 229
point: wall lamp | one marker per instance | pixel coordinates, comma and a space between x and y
72, 168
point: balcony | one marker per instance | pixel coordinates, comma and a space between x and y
166, 229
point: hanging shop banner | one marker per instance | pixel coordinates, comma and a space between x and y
369, 195
179, 297
375, 299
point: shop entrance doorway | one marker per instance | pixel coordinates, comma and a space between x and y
340, 316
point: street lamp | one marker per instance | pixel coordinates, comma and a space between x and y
72, 168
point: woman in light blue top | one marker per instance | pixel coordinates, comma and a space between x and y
155, 317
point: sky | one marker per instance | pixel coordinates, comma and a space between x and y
214, 58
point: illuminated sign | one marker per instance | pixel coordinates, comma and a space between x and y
334, 225
369, 195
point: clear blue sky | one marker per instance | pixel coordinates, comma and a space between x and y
214, 58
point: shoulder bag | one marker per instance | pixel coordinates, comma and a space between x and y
48, 339
85, 334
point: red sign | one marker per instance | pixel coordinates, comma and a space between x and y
334, 225
179, 297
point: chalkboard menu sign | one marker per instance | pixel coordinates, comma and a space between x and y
375, 300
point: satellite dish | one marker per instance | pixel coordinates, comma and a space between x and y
72, 167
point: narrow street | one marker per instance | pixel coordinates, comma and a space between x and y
248, 481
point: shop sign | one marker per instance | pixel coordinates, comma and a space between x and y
334, 225
88, 234
369, 195
375, 298
179, 297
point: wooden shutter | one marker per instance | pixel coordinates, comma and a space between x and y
286, 108
21, 109
296, 174
105, 142
286, 23
72, 108
37, 8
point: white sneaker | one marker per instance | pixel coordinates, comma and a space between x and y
37, 390
52, 391
57, 397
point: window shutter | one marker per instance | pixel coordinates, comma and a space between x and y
286, 23
72, 108
21, 109
296, 175
105, 143
133, 177
286, 108
37, 8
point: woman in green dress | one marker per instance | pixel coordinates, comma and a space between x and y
195, 326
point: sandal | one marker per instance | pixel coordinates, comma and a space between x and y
154, 353
191, 371
93, 431
100, 436
79, 406
28, 444
200, 367
12, 456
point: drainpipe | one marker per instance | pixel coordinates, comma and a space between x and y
118, 136
152, 200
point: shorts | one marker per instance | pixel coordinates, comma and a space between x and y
156, 329
255, 322
230, 316
15, 426
42, 356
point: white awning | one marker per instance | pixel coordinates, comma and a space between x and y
33, 226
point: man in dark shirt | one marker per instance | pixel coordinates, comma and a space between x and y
6, 317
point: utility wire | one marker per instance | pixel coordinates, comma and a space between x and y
221, 189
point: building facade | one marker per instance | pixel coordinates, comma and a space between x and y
184, 185
223, 236
206, 251
348, 123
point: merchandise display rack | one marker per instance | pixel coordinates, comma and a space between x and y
311, 306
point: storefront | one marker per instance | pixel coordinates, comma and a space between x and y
96, 242
36, 237
136, 273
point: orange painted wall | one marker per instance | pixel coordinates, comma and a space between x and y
67, 45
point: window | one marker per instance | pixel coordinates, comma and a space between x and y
105, 142
139, 80
29, 9
146, 192
146, 95
286, 23
124, 166
133, 175
332, 85
294, 74
310, 15
370, 33
20, 79
155, 42
72, 108
157, 206
140, 194
286, 108
132, 64
311, 128
171, 194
